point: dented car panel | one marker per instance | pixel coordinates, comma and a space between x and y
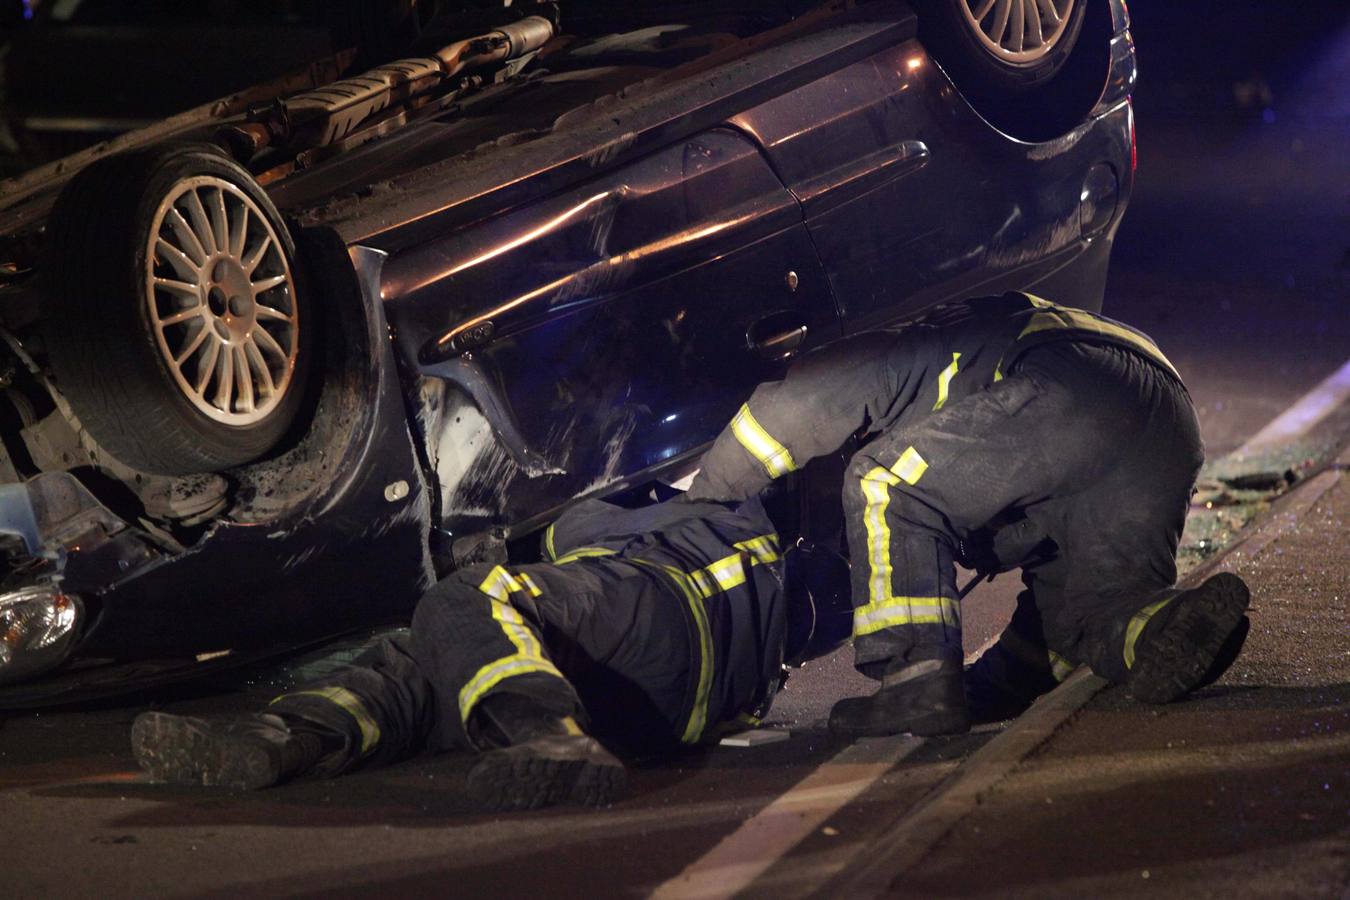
620, 323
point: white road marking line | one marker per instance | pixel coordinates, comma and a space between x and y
1300, 418
907, 841
762, 840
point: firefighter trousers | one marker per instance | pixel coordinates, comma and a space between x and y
1098, 447
600, 641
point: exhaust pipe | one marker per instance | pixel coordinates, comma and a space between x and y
325, 115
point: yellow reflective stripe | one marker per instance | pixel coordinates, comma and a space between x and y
370, 729
944, 382
582, 553
910, 466
1038, 302
570, 725
493, 674
998, 371
698, 715
891, 611
723, 575
729, 572
760, 444
1061, 317
1136, 628
882, 609
533, 588
876, 488
1060, 667
697, 587
498, 586
763, 549
548, 544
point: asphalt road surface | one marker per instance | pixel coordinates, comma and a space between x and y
1235, 255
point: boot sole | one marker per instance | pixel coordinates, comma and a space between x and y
178, 750
573, 770
1197, 646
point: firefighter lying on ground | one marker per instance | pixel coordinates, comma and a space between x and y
647, 628
1005, 411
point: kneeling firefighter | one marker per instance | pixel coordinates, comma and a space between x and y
1072, 431
646, 628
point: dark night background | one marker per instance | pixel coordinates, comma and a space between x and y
1235, 252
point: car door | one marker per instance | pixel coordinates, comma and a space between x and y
909, 197
613, 329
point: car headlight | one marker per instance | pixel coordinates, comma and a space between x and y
38, 628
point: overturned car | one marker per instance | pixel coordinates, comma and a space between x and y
272, 365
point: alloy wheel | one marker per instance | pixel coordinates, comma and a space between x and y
221, 298
1018, 32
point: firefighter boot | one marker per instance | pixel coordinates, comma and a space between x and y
999, 686
540, 759
923, 698
1190, 641
238, 752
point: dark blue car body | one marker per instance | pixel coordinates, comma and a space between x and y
522, 313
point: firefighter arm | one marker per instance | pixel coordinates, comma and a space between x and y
824, 398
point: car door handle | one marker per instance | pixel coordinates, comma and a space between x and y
777, 336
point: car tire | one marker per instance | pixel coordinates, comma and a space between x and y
1014, 82
993, 63
179, 351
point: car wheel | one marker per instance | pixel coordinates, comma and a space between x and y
1001, 48
178, 331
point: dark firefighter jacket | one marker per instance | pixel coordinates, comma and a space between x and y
722, 568
871, 382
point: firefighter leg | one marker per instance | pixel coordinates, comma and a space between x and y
1018, 668
1107, 598
908, 497
480, 636
378, 709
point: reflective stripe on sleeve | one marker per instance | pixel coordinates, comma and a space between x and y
529, 656
352, 705
945, 381
773, 456
548, 544
1136, 628
891, 611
